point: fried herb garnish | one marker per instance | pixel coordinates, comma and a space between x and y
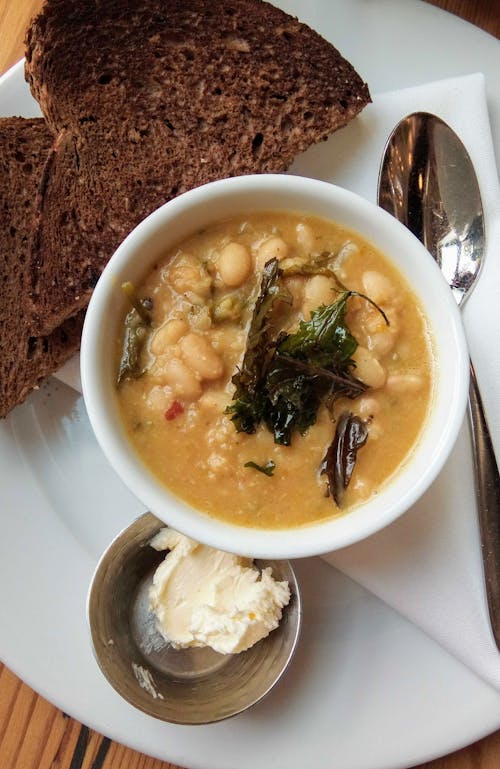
248, 405
284, 378
339, 461
137, 326
267, 469
310, 367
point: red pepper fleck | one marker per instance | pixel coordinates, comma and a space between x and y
175, 409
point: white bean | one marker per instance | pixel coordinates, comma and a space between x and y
234, 264
367, 407
181, 379
159, 398
381, 342
169, 333
348, 250
215, 400
305, 237
157, 369
368, 368
190, 275
367, 320
319, 290
404, 383
378, 287
271, 248
201, 357
340, 265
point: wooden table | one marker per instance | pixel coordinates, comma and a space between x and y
33, 733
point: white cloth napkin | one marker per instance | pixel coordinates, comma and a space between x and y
427, 565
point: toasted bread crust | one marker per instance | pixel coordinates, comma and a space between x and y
25, 358
150, 99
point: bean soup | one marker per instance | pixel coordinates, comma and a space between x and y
274, 370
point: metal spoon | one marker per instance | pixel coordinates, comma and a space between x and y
427, 181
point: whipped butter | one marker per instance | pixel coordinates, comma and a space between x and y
206, 597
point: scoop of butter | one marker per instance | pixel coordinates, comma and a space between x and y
206, 597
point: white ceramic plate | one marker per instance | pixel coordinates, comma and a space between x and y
367, 690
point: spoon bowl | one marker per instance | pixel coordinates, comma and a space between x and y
186, 686
427, 182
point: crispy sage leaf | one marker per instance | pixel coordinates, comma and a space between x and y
247, 406
284, 378
340, 459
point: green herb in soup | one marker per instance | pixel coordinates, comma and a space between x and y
279, 336
284, 378
267, 469
249, 397
137, 323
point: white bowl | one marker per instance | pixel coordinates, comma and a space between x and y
198, 208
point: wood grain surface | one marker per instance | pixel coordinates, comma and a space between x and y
33, 733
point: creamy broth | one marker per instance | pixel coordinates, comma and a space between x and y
202, 294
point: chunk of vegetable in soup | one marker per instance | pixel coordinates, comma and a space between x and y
180, 400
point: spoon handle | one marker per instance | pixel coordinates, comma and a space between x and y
487, 481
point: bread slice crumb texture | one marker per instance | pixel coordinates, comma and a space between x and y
25, 358
147, 100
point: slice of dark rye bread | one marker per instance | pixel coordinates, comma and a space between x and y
24, 359
149, 99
